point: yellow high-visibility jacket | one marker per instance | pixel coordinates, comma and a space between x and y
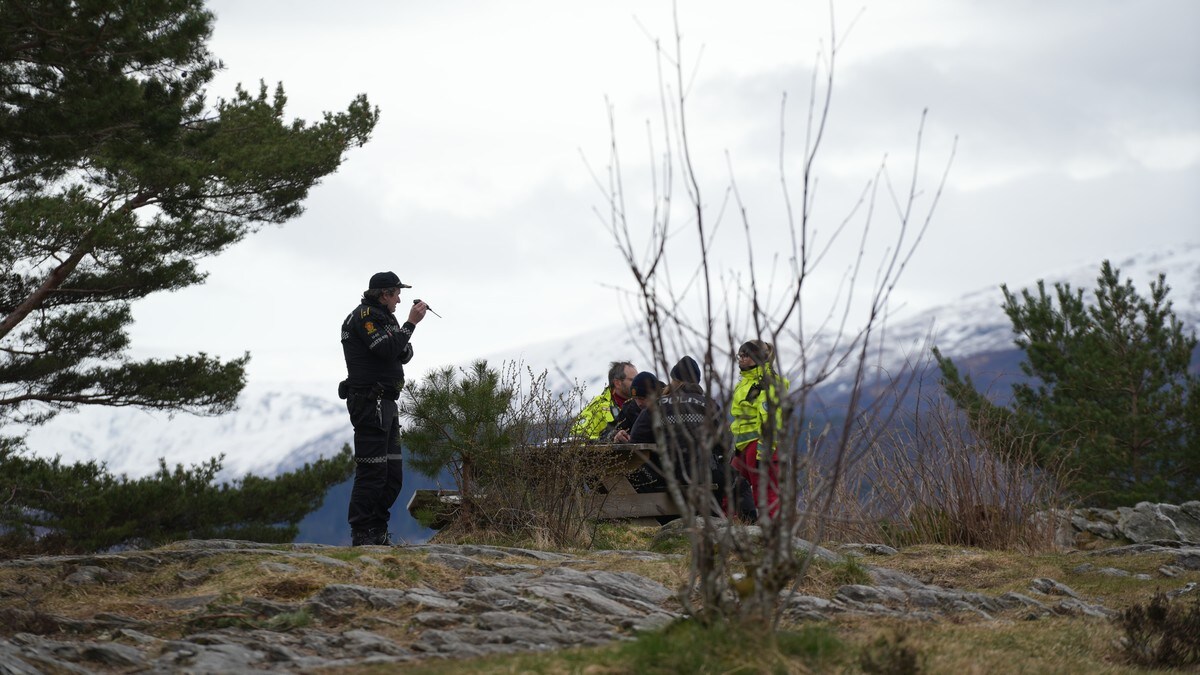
758, 386
596, 416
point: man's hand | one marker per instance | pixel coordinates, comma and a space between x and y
621, 436
417, 312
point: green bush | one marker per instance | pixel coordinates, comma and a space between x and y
52, 507
1110, 393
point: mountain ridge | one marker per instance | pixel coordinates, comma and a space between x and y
279, 426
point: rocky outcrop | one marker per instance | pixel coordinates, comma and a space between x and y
1145, 522
500, 600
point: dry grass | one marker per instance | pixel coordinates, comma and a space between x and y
182, 593
937, 480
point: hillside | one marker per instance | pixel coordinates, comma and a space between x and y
235, 606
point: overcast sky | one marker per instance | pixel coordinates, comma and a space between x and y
1077, 126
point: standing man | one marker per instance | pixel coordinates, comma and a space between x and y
597, 415
376, 347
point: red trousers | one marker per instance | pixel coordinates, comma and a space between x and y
746, 464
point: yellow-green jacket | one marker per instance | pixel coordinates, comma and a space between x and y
749, 408
596, 416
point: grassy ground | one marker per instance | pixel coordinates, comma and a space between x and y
961, 644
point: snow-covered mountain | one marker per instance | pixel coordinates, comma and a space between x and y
280, 426
276, 427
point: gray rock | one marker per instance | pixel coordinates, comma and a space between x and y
649, 556
884, 576
194, 577
1112, 572
873, 549
809, 607
12, 661
1188, 560
1012, 600
1101, 529
498, 620
1187, 588
426, 597
469, 564
1052, 587
1186, 518
31, 659
1076, 607
190, 657
439, 619
326, 560
507, 606
340, 596
1146, 522
882, 595
185, 602
92, 574
139, 637
365, 641
495, 552
818, 552
617, 584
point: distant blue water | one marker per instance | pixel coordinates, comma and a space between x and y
327, 525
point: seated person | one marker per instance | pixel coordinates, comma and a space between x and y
686, 413
602, 410
645, 387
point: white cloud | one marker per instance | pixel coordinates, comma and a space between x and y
1077, 122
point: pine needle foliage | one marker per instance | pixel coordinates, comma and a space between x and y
1111, 395
48, 506
117, 178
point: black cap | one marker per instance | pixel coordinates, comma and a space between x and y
687, 370
644, 383
386, 280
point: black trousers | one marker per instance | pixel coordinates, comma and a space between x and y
378, 465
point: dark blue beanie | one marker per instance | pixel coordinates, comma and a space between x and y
645, 383
687, 370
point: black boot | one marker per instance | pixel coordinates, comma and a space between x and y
378, 537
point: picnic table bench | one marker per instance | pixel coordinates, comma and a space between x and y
609, 496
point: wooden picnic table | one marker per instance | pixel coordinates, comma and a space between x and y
614, 497
609, 497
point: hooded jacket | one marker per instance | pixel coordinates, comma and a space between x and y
758, 388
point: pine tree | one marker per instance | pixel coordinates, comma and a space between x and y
1110, 392
460, 420
51, 507
116, 177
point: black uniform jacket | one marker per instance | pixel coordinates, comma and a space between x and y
376, 347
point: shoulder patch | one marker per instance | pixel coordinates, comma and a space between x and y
370, 326
364, 313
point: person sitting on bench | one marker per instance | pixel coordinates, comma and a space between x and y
691, 427
646, 387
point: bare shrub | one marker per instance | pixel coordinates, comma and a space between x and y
936, 478
1161, 634
502, 435
547, 492
690, 303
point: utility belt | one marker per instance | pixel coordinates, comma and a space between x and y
374, 392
